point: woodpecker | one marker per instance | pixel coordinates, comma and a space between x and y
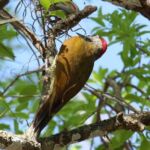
68, 7
73, 66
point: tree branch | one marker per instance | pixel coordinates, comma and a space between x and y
141, 6
7, 21
24, 30
73, 20
11, 141
108, 96
134, 122
3, 3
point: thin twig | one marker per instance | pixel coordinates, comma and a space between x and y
116, 99
24, 30
73, 20
34, 53
141, 49
120, 101
135, 87
18, 76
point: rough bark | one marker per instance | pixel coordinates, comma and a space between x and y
141, 6
134, 122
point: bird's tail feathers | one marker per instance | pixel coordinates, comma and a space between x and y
41, 119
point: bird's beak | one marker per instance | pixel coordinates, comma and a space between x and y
84, 37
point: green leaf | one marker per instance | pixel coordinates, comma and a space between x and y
7, 33
120, 137
34, 105
45, 4
50, 129
100, 75
16, 127
58, 1
76, 109
4, 126
100, 18
25, 89
138, 71
22, 106
6, 52
21, 115
58, 13
3, 108
135, 98
145, 144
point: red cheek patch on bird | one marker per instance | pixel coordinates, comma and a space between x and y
104, 44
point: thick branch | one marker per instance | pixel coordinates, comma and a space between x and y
141, 6
7, 21
72, 20
11, 141
3, 3
134, 122
24, 30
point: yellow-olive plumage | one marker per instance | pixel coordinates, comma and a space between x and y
74, 64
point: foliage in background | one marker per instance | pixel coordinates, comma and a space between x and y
47, 4
20, 101
6, 51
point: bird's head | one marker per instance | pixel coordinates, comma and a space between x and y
97, 45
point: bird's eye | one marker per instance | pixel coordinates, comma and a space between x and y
85, 37
99, 49
88, 39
